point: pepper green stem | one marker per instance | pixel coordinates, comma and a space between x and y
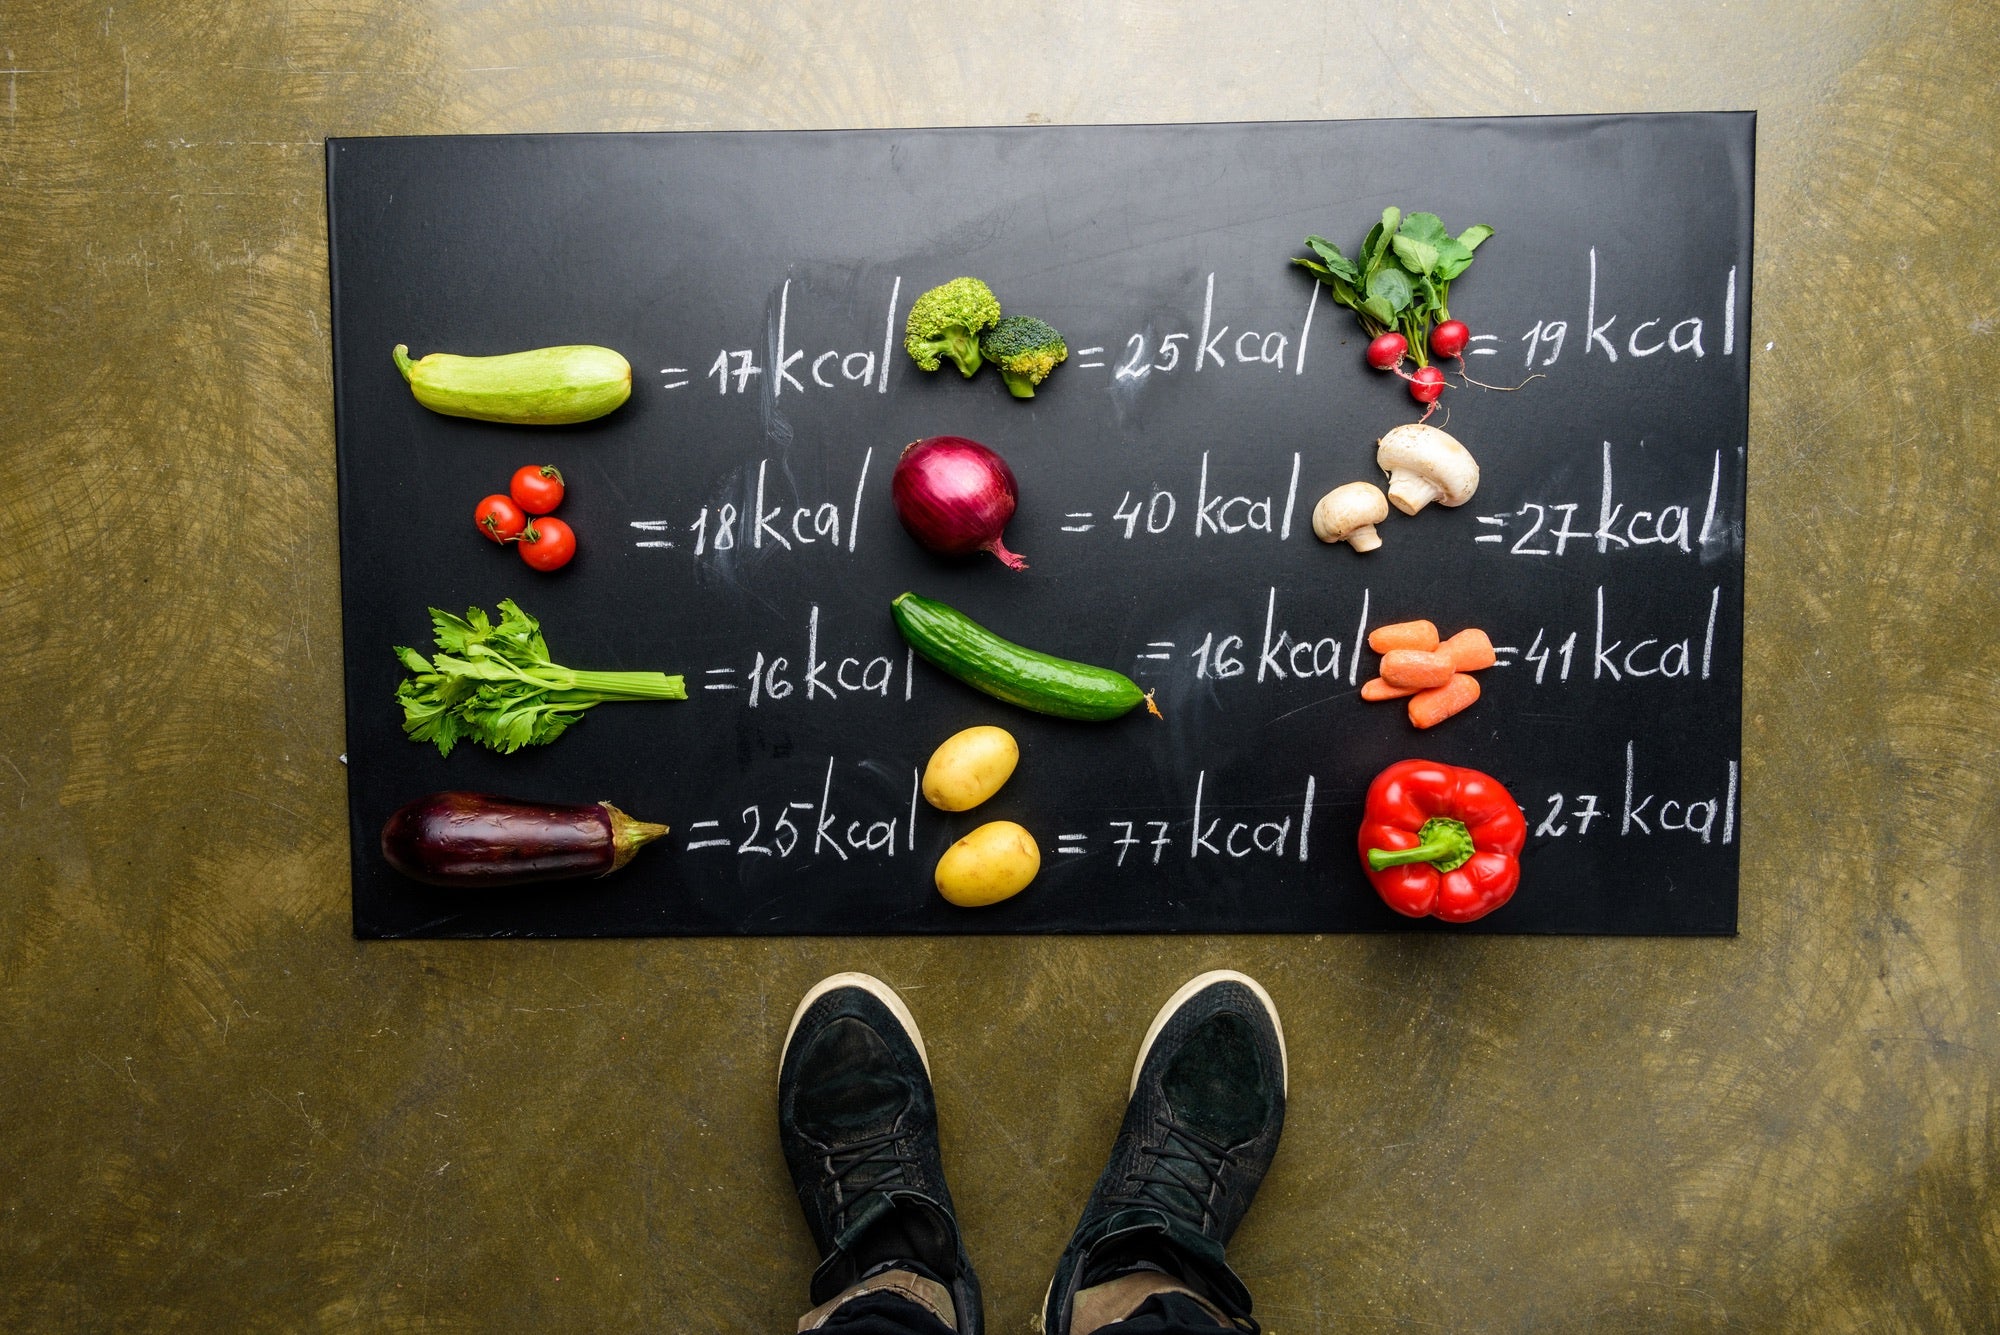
1446, 842
403, 362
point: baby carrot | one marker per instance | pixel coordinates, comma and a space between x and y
1432, 707
1469, 650
1416, 669
1375, 689
1403, 635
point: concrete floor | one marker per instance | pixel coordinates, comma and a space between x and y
220, 1113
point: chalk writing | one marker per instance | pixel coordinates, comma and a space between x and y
1281, 654
768, 518
1281, 833
1215, 347
1614, 656
781, 828
1212, 510
1709, 817
787, 367
816, 674
1548, 527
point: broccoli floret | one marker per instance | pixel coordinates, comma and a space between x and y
946, 321
1026, 350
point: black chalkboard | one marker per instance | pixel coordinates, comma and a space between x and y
1603, 549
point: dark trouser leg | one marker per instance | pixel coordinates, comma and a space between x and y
1144, 1302
1170, 1314
895, 1310
885, 1312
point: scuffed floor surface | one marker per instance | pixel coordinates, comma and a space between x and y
223, 1114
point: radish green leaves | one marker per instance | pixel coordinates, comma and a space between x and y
1401, 279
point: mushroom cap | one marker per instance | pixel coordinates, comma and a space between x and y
1346, 508
1433, 455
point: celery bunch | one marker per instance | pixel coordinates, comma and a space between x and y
494, 684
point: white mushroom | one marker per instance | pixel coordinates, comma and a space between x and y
1349, 514
1425, 464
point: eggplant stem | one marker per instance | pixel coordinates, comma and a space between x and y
628, 836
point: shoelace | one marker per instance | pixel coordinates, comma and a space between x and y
1160, 1187
878, 1151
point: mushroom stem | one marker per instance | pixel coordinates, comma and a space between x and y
1425, 464
1364, 539
1410, 492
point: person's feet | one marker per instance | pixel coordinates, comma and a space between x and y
1201, 1128
858, 1125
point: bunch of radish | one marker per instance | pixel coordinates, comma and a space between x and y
1399, 288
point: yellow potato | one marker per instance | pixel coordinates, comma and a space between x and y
995, 861
970, 767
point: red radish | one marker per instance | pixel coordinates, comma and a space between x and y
1449, 339
955, 497
1387, 351
1427, 385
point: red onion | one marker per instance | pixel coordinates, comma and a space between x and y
955, 496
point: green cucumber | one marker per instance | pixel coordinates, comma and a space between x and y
955, 643
540, 387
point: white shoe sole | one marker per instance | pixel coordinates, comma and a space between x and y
1189, 989
876, 988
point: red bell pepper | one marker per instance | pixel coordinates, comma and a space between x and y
1440, 841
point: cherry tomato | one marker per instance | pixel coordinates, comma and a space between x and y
548, 544
537, 488
499, 518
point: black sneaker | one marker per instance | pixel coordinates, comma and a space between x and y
1200, 1130
858, 1125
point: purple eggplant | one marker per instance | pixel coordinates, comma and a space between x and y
472, 840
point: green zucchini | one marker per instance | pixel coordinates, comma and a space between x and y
541, 387
955, 643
